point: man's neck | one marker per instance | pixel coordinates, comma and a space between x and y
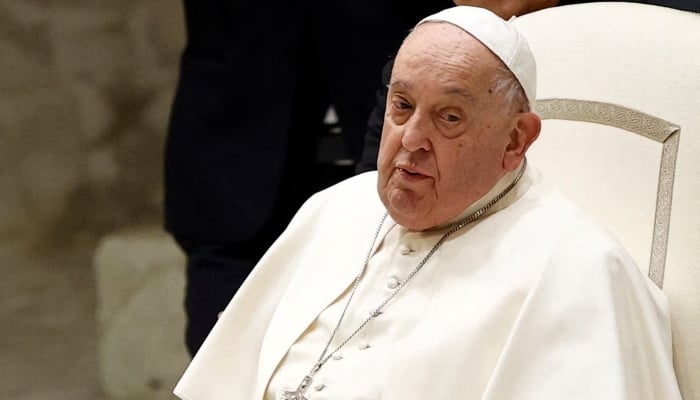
499, 187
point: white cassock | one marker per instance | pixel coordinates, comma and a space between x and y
533, 301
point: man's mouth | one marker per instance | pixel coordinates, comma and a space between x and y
411, 173
408, 172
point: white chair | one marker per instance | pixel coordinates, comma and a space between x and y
606, 70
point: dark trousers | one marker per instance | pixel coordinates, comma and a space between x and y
213, 276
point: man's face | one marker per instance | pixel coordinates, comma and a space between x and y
445, 129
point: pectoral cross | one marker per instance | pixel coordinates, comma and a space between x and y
299, 393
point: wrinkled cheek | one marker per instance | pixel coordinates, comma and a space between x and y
383, 179
389, 145
384, 158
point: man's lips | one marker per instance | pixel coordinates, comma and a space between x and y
406, 171
410, 172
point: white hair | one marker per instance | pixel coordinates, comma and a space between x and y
507, 85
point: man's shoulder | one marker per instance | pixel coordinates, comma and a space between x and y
357, 190
548, 218
576, 243
552, 210
350, 201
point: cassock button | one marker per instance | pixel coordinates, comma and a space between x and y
337, 356
404, 249
392, 283
374, 313
363, 346
319, 387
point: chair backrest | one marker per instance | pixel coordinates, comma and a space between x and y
619, 94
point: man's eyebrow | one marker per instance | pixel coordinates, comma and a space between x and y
460, 92
398, 83
451, 91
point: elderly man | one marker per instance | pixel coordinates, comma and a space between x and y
456, 271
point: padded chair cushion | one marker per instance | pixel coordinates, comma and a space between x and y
644, 58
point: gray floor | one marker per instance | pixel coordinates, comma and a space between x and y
47, 324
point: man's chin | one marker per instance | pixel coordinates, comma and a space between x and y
407, 209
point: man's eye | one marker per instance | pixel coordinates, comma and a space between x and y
451, 118
401, 105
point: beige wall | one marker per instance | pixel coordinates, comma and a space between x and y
85, 92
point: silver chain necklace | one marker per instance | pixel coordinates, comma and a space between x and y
298, 394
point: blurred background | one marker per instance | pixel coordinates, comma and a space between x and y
91, 287
85, 93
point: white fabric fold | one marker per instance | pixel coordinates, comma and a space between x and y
533, 302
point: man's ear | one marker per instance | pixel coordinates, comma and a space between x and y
525, 130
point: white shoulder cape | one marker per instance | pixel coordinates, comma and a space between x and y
535, 302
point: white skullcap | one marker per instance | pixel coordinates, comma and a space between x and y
499, 36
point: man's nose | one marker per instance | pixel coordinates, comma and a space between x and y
416, 135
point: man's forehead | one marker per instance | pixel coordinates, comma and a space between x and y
445, 43
496, 34
432, 52
441, 34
